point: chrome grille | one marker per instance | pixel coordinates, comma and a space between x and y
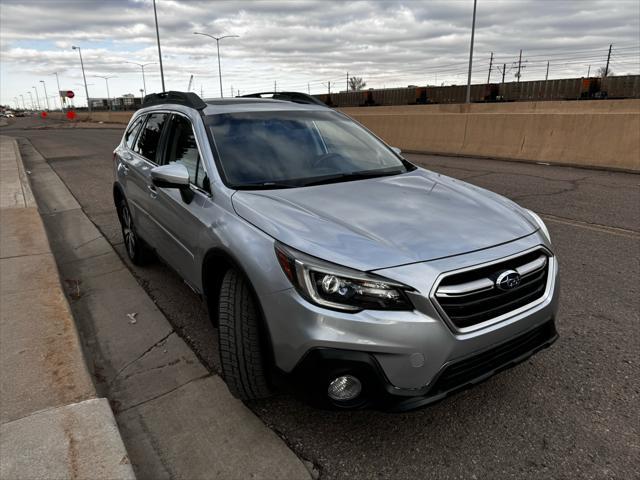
470, 298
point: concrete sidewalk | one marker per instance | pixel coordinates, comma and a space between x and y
51, 423
178, 419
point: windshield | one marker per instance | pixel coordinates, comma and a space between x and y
292, 149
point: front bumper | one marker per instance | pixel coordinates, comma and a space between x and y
403, 353
322, 365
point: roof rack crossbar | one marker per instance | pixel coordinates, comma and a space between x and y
296, 97
188, 99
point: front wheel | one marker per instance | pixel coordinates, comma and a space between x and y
242, 347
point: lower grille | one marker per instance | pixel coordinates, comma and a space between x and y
472, 297
465, 371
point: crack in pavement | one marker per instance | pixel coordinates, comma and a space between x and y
592, 226
143, 354
201, 377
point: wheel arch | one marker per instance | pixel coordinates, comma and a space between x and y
216, 262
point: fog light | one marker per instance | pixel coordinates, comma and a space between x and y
344, 388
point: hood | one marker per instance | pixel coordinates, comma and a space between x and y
386, 221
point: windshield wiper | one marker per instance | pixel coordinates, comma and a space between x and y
264, 186
341, 177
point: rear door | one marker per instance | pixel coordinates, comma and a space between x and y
140, 191
183, 218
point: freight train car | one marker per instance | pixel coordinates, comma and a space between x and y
627, 86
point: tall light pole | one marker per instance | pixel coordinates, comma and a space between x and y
473, 32
217, 39
24, 105
86, 90
142, 65
106, 80
60, 96
44, 85
37, 97
155, 14
33, 105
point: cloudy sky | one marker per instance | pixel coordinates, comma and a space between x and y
303, 45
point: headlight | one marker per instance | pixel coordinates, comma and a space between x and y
543, 227
337, 287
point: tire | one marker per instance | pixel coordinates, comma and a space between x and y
242, 351
137, 250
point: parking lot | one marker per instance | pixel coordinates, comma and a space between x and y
569, 412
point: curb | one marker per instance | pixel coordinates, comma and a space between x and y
51, 422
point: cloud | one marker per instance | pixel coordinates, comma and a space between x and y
300, 43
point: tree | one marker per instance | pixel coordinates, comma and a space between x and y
356, 83
601, 72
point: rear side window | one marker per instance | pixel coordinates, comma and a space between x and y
182, 147
132, 133
149, 139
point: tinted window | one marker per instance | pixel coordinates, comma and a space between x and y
149, 138
131, 134
296, 147
182, 148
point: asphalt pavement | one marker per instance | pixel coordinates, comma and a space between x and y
569, 412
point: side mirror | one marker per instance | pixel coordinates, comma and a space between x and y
174, 175
397, 150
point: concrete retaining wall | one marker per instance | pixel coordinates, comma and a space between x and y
603, 135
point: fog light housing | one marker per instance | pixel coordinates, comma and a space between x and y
344, 388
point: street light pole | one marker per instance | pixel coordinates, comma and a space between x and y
106, 80
37, 97
142, 65
33, 105
44, 85
155, 14
473, 31
24, 105
60, 96
86, 89
217, 39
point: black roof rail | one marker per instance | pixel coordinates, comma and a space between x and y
296, 97
188, 99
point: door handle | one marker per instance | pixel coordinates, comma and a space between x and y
153, 193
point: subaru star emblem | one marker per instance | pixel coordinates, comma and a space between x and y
508, 280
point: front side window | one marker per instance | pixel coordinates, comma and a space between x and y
292, 149
182, 148
149, 139
132, 133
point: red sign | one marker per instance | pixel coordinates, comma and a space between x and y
70, 94
71, 114
44, 114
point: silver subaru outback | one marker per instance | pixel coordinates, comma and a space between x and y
327, 260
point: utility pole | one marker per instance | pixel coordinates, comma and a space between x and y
61, 99
45, 93
347, 81
606, 69
504, 70
589, 71
37, 98
473, 32
217, 39
490, 65
155, 14
86, 89
519, 66
547, 74
106, 79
